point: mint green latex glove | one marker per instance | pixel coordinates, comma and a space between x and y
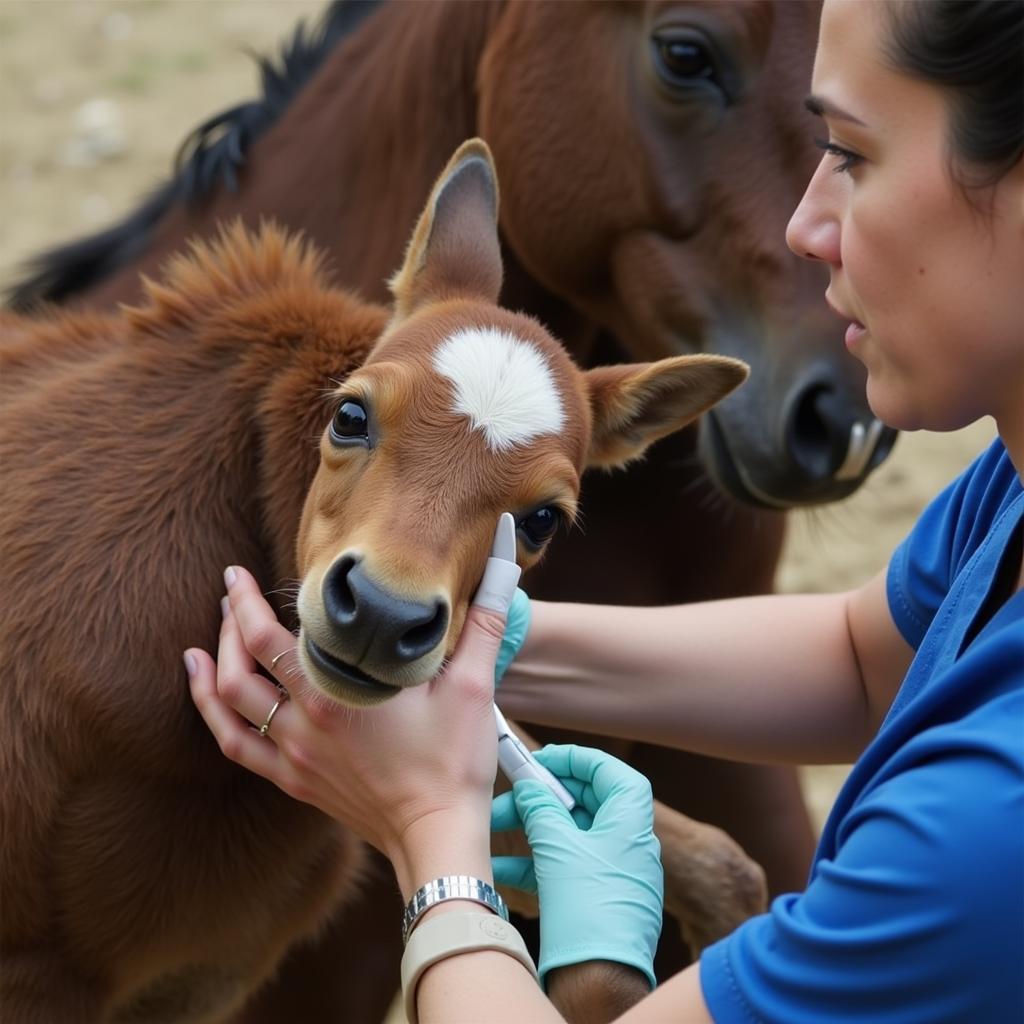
597, 875
517, 625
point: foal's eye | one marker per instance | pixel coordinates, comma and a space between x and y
350, 423
539, 525
683, 61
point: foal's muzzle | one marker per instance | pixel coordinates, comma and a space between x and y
373, 625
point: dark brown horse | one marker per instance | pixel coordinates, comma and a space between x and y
650, 154
143, 876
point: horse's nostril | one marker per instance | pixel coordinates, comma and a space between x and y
815, 433
339, 598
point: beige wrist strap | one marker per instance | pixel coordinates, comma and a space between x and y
448, 935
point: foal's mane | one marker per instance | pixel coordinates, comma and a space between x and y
211, 153
219, 272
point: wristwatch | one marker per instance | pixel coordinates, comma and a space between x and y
451, 887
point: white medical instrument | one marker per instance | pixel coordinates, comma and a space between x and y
501, 574
517, 762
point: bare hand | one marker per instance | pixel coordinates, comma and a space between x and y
430, 751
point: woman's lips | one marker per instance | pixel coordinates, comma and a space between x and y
855, 328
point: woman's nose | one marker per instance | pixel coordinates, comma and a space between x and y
813, 230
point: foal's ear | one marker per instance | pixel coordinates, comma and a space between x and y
637, 403
454, 251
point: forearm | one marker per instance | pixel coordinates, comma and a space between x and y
455, 990
771, 678
453, 843
491, 985
458, 989
484, 985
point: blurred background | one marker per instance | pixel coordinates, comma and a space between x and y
95, 97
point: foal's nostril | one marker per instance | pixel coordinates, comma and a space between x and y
372, 624
423, 638
339, 599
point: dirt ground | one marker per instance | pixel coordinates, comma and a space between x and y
95, 96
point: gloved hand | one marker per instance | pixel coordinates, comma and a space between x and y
598, 877
517, 625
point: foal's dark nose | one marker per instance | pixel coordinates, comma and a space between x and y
378, 626
827, 441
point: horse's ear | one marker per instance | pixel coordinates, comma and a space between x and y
635, 404
454, 251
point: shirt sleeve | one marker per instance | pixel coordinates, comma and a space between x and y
947, 533
919, 915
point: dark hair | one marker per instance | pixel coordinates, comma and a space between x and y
974, 51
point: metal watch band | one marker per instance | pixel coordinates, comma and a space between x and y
449, 935
451, 887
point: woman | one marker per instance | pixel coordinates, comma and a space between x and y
913, 908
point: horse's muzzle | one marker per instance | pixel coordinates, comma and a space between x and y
826, 451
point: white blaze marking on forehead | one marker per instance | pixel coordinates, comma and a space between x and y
502, 383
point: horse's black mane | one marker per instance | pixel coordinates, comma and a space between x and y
212, 152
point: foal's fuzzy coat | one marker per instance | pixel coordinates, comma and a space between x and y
142, 453
143, 876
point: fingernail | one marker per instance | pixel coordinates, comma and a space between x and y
225, 607
190, 664
230, 575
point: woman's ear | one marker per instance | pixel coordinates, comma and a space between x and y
454, 251
635, 404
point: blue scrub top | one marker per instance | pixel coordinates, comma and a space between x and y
914, 910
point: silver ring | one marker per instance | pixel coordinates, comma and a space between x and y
264, 729
277, 657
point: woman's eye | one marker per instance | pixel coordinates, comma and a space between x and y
683, 61
350, 423
847, 158
539, 525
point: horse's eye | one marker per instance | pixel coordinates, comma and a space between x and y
539, 525
350, 423
683, 61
